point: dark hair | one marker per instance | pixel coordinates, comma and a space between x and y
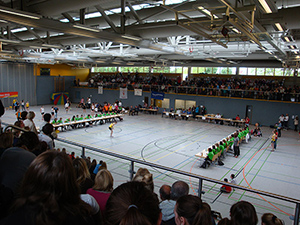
132, 204
28, 139
47, 117
194, 210
232, 176
243, 213
49, 185
24, 115
225, 179
178, 189
47, 129
271, 219
6, 140
165, 192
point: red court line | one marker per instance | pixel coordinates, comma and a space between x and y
251, 187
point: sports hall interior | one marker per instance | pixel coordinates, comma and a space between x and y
39, 63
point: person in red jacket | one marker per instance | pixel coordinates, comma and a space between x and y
225, 188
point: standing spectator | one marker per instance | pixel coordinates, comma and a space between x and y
296, 122
236, 145
67, 105
16, 105
27, 106
279, 128
281, 118
56, 109
274, 140
18, 114
42, 110
29, 122
23, 105
286, 121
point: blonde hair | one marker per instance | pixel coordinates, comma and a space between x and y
81, 170
143, 175
104, 181
103, 166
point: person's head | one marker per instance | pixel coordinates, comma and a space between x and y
225, 179
133, 203
270, 219
103, 166
178, 189
47, 117
30, 115
104, 181
28, 140
81, 170
143, 175
24, 115
50, 183
243, 213
232, 176
47, 129
6, 140
190, 209
165, 192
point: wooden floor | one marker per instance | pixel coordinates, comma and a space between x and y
174, 143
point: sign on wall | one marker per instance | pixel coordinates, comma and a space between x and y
123, 93
138, 92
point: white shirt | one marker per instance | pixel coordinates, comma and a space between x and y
47, 139
286, 118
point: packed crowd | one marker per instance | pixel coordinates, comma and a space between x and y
209, 82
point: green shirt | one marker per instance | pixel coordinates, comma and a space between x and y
210, 155
222, 148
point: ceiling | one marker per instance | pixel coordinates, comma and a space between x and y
157, 33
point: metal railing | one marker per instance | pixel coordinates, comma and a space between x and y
230, 93
200, 178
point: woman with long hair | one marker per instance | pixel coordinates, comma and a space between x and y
50, 195
190, 210
83, 177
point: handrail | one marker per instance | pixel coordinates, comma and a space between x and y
256, 191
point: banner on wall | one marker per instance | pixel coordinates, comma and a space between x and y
138, 92
9, 94
157, 95
123, 93
100, 90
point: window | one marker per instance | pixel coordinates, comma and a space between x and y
194, 70
269, 71
260, 71
243, 71
232, 70
279, 71
252, 71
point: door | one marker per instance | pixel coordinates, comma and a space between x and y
249, 109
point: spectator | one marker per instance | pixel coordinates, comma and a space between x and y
178, 189
29, 122
95, 171
225, 188
190, 210
296, 122
133, 203
6, 141
46, 135
286, 121
143, 175
242, 213
102, 189
49, 194
270, 219
82, 174
166, 205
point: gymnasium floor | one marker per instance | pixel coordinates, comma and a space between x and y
174, 143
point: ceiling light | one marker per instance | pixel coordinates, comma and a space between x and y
116, 63
86, 28
207, 12
19, 13
279, 27
236, 30
287, 39
131, 37
100, 61
265, 6
3, 21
